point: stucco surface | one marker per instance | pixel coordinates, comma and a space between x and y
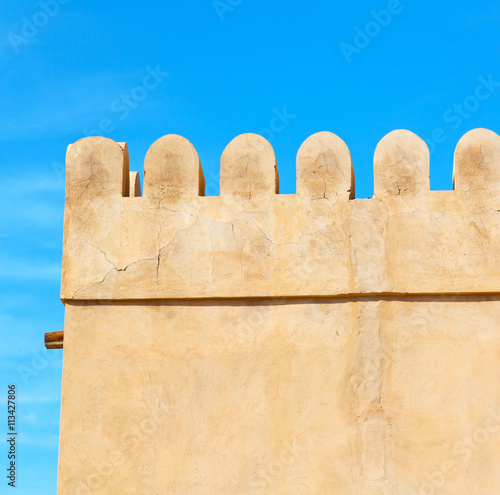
258, 343
362, 396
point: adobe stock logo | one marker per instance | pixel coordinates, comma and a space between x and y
129, 101
32, 26
278, 122
457, 114
222, 7
363, 37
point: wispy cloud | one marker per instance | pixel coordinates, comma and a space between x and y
67, 105
39, 397
34, 200
40, 440
41, 214
13, 41
481, 17
30, 418
23, 269
34, 183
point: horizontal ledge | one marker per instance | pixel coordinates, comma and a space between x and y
54, 340
292, 299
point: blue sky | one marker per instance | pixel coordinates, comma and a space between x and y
283, 69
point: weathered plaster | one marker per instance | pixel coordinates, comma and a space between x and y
258, 343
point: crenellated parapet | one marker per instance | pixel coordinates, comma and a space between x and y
172, 242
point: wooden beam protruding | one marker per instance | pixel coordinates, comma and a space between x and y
54, 340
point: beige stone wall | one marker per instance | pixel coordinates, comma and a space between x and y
257, 343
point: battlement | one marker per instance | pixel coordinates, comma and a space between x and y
250, 241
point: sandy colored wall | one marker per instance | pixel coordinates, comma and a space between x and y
301, 397
257, 343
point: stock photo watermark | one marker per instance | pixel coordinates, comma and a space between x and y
457, 114
223, 7
365, 35
38, 363
249, 328
279, 121
372, 369
288, 456
122, 106
462, 452
159, 408
59, 170
11, 435
31, 26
